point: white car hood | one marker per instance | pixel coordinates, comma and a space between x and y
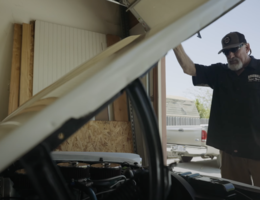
93, 83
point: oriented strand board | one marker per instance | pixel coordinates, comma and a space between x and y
101, 136
26, 65
15, 70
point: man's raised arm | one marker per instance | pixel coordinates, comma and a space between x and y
184, 61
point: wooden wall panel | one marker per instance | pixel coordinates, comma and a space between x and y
26, 77
15, 70
101, 136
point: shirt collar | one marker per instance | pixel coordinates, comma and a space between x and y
253, 63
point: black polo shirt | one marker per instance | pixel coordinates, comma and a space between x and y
234, 124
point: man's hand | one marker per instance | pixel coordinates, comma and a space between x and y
184, 61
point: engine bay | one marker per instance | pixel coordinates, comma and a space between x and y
102, 180
44, 174
97, 178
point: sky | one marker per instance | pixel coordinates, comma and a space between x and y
244, 18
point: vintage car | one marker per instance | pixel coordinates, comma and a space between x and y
30, 134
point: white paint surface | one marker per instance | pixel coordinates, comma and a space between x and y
60, 49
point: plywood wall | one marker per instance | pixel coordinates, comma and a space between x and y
101, 136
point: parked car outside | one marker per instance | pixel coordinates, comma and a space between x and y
185, 142
212, 149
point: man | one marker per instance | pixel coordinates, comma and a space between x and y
234, 125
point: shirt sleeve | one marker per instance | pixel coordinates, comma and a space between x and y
206, 75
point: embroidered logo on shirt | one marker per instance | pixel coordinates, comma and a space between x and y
254, 78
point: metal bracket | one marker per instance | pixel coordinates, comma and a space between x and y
133, 5
130, 6
131, 112
199, 36
116, 2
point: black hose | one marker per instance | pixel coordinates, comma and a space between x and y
86, 190
91, 193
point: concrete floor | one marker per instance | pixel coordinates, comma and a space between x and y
198, 165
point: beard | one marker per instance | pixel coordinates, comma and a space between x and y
235, 67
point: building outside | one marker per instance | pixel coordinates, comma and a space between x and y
182, 111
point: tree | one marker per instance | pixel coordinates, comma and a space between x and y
203, 112
203, 98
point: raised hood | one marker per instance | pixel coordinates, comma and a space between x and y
89, 86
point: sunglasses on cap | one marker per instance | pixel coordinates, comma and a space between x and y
233, 50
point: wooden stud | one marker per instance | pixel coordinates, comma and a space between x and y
155, 90
15, 70
132, 20
163, 109
102, 115
26, 65
112, 39
32, 24
120, 109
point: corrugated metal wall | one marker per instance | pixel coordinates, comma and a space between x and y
59, 49
175, 121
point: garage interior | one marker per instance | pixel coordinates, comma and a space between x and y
43, 41
42, 51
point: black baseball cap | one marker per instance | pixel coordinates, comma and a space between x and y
232, 40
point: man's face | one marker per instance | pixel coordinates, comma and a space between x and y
237, 57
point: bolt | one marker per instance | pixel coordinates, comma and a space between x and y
61, 136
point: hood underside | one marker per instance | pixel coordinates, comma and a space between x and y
84, 90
